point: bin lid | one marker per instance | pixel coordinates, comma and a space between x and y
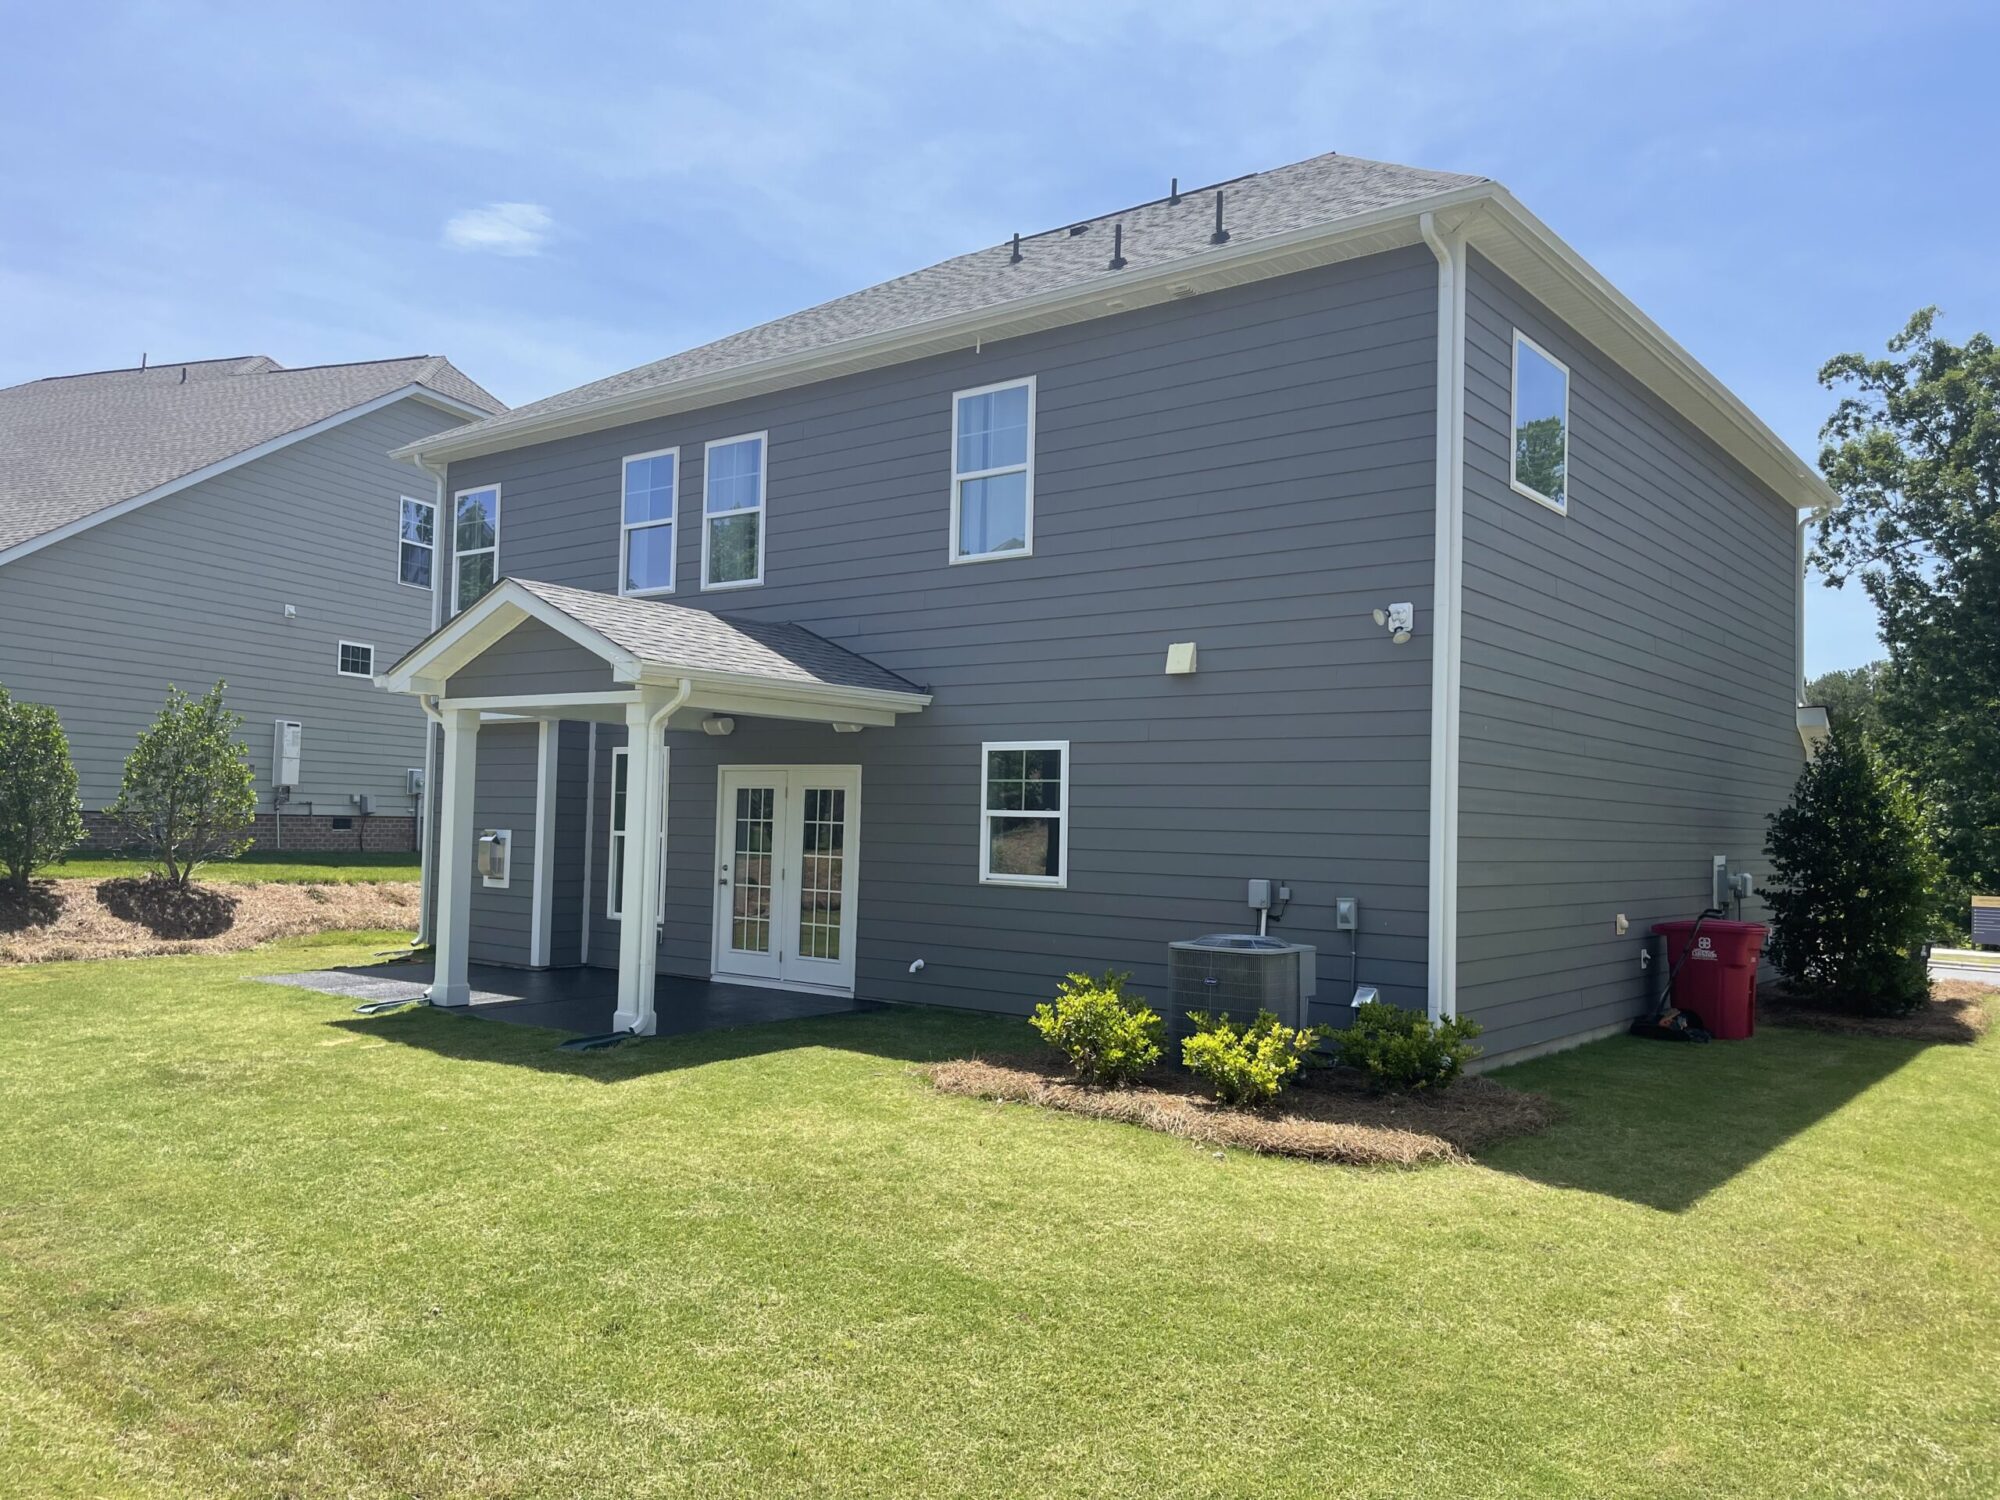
1720, 926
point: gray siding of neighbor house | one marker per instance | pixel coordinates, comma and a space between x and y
504, 797
1250, 470
1628, 682
193, 587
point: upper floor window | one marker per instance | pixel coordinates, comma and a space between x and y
416, 543
993, 472
475, 543
646, 525
356, 659
732, 534
1539, 467
1024, 837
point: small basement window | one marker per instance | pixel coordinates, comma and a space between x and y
1024, 834
1539, 465
356, 660
993, 472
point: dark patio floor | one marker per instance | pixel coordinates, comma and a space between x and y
580, 1001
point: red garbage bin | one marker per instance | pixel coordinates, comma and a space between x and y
1716, 978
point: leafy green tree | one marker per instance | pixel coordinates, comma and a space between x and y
1913, 448
41, 816
189, 795
1853, 697
1539, 456
1852, 874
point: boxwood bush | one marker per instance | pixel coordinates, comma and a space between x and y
1404, 1049
1250, 1064
1108, 1036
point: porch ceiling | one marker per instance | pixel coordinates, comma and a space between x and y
752, 667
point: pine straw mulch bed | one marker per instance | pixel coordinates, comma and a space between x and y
1330, 1116
141, 917
1959, 1013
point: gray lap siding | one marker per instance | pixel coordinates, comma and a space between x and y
1250, 470
1628, 700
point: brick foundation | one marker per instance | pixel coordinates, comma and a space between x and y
305, 833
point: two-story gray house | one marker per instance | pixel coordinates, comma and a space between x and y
1335, 525
231, 519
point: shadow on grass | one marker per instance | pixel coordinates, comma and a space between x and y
912, 1034
1665, 1126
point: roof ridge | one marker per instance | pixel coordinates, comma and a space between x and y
157, 364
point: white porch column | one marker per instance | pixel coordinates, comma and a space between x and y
638, 936
454, 857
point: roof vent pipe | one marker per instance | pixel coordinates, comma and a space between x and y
1221, 235
1174, 191
1015, 258
1118, 247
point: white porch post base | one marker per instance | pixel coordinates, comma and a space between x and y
638, 936
454, 858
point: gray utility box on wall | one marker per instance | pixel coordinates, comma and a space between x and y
1240, 974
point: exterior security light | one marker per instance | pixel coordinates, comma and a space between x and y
719, 725
1400, 620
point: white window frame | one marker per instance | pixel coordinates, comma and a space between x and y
339, 656
458, 495
1027, 549
614, 893
402, 542
761, 512
1560, 507
626, 528
987, 814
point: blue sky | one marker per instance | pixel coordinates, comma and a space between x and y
551, 193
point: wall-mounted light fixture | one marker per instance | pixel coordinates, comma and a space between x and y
718, 725
1400, 620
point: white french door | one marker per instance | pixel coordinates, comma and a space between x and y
787, 853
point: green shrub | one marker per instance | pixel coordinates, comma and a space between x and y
1404, 1049
41, 818
1851, 871
1108, 1036
189, 795
1250, 1065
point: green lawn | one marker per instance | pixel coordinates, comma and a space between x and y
302, 868
253, 1244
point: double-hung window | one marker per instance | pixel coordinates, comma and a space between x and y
646, 523
1539, 464
993, 472
475, 543
1024, 822
614, 896
732, 532
416, 544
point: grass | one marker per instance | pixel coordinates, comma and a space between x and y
253, 1244
259, 866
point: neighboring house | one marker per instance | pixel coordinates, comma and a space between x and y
230, 519
1011, 615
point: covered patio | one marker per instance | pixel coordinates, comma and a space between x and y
582, 1002
529, 653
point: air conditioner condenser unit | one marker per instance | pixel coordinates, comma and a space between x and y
1239, 974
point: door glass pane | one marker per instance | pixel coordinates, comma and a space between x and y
822, 871
750, 911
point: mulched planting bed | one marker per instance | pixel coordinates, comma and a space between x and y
1327, 1118
1958, 1013
134, 918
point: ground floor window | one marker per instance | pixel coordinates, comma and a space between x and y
1024, 837
614, 895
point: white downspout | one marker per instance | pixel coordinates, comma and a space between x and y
427, 840
1446, 635
639, 938
1799, 620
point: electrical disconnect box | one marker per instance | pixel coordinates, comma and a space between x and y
1727, 884
414, 781
1346, 914
286, 738
493, 852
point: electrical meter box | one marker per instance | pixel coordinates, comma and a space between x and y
286, 738
493, 844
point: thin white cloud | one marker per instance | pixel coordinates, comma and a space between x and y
501, 229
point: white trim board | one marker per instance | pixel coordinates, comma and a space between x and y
542, 893
251, 454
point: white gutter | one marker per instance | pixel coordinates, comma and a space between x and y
1799, 619
1448, 586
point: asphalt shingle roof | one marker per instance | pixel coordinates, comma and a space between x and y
1322, 190
74, 444
676, 635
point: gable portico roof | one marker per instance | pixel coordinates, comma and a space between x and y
751, 666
